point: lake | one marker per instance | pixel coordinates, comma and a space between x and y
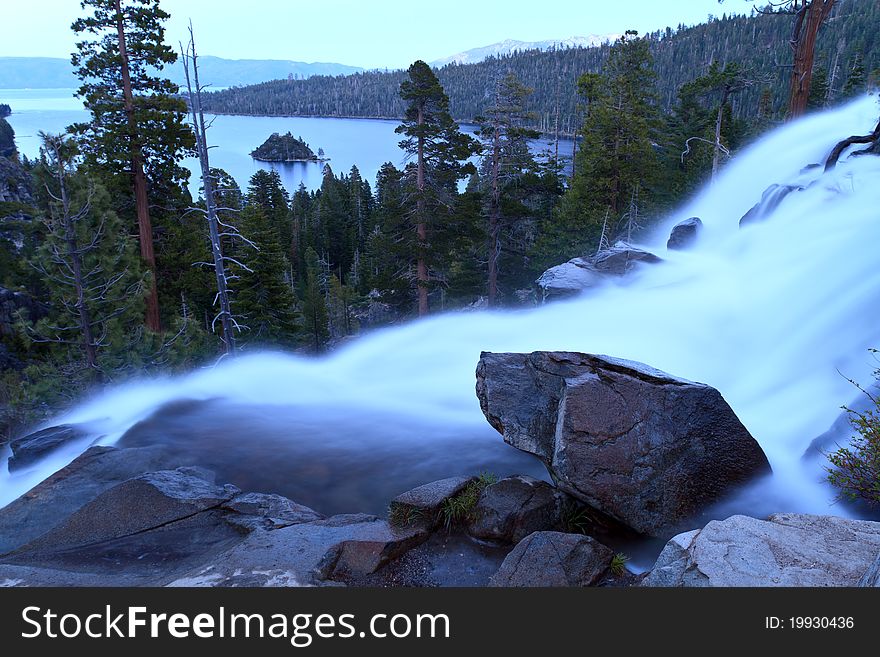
365, 143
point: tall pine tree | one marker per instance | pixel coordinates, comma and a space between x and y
438, 152
137, 124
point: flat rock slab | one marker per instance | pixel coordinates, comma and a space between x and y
511, 509
58, 496
645, 448
554, 559
421, 505
785, 550
29, 449
146, 502
149, 558
307, 554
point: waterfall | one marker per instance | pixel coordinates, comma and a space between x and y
773, 314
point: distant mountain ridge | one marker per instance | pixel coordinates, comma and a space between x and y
57, 73
508, 46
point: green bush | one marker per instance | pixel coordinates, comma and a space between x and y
855, 469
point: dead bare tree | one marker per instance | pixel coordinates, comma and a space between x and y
217, 229
872, 138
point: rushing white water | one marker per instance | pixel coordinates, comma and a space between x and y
770, 314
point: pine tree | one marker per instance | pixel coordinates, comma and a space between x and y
137, 123
314, 307
95, 284
506, 161
855, 81
616, 159
267, 191
819, 89
264, 300
439, 150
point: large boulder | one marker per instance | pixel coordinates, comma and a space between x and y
578, 274
684, 234
647, 449
511, 509
29, 449
554, 559
785, 550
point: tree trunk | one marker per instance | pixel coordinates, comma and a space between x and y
195, 98
421, 227
139, 180
807, 24
716, 156
494, 218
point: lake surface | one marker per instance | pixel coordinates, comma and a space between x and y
365, 143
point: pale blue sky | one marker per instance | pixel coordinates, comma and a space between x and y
371, 34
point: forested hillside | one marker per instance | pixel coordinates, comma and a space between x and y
759, 44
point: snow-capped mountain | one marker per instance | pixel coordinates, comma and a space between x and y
511, 45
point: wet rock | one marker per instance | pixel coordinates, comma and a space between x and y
147, 502
307, 554
684, 234
554, 559
29, 449
421, 506
647, 449
772, 197
274, 510
841, 430
58, 496
579, 274
785, 550
511, 509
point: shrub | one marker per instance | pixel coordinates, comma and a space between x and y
855, 469
460, 508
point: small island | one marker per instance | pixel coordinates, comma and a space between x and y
286, 148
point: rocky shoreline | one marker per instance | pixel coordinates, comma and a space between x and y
631, 451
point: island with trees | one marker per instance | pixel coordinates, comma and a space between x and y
286, 148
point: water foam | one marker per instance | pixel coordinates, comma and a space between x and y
769, 314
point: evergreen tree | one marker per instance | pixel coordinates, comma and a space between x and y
707, 100
314, 307
439, 150
7, 139
264, 300
340, 304
137, 124
819, 89
855, 82
266, 191
616, 162
506, 161
93, 277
